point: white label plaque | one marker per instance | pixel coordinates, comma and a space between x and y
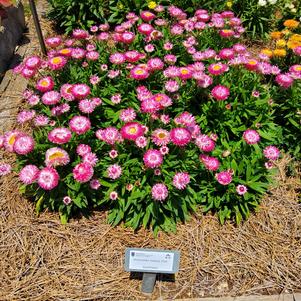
151, 261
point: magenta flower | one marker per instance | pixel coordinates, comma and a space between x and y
241, 189
23, 145
211, 163
271, 152
159, 192
224, 177
48, 178
181, 180
220, 92
29, 174
56, 156
251, 136
51, 98
131, 131
114, 171
205, 143
5, 169
83, 172
80, 124
180, 136
152, 158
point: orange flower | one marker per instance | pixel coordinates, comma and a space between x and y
279, 52
276, 35
291, 23
267, 52
280, 43
293, 44
295, 37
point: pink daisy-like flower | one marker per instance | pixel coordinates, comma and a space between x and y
29, 174
25, 116
224, 177
5, 169
80, 91
41, 120
226, 33
53, 42
127, 37
226, 54
10, 138
80, 34
220, 92
80, 124
152, 158
159, 192
251, 136
131, 131
113, 195
86, 106
241, 189
127, 115
172, 86
28, 73
271, 152
145, 28
155, 64
94, 79
141, 142
33, 62
45, 84
149, 106
180, 136
56, 156
284, 80
33, 100
113, 154
95, 184
185, 73
217, 68
251, 64
66, 92
110, 135
205, 143
132, 56
139, 73
83, 149
160, 137
83, 172
181, 180
116, 99
92, 55
51, 98
117, 58
211, 163
23, 145
67, 200
163, 100
57, 62
48, 178
78, 53
59, 135
147, 16
90, 158
114, 171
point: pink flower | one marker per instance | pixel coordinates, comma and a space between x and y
10, 138
131, 131
163, 100
251, 136
127, 37
271, 152
185, 73
132, 56
149, 105
127, 115
220, 92
29, 174
164, 150
67, 200
83, 149
180, 180
117, 58
211, 163
59, 135
95, 184
83, 172
152, 158
45, 84
110, 135
53, 42
113, 195
224, 177
80, 91
24, 144
28, 73
147, 16
86, 106
90, 158
48, 178
241, 189
66, 92
159, 192
33, 62
217, 68
33, 100
80, 34
113, 154
205, 143
160, 137
56, 156
141, 142
139, 73
284, 80
269, 165
145, 28
25, 116
51, 98
57, 62
5, 169
116, 99
114, 171
172, 86
226, 54
155, 64
80, 124
180, 136
92, 55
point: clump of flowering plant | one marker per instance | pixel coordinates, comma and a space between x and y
150, 119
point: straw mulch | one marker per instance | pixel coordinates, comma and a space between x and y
42, 260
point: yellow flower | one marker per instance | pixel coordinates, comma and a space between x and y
229, 4
276, 35
295, 37
291, 23
279, 52
267, 52
281, 43
152, 5
293, 44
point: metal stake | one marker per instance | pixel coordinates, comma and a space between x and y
148, 282
37, 26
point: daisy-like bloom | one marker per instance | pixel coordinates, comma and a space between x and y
284, 80
139, 73
28, 73
5, 169
127, 115
67, 200
23, 145
149, 106
86, 106
217, 68
48, 178
159, 192
220, 92
96, 101
241, 189
67, 52
83, 149
226, 33
92, 55
59, 135
164, 150
251, 136
224, 177
90, 158
80, 124
290, 23
127, 37
56, 156
80, 91
171, 60
163, 100
57, 62
205, 82
251, 64
83, 172
239, 48
131, 131
29, 174
180, 136
155, 64
95, 184
53, 42
211, 163
45, 84
25, 116
94, 79
114, 171
117, 58
145, 28
147, 16
66, 92
181, 180
185, 119
256, 94
10, 138
152, 158
113, 154
226, 54
80, 34
172, 86
205, 143
271, 152
132, 56
110, 135
116, 99
141, 142
172, 72
185, 73
160, 137
113, 73
33, 62
51, 98
113, 195
78, 53
295, 69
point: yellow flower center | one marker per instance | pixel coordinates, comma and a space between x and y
65, 51
298, 68
56, 60
217, 67
184, 71
161, 135
132, 130
252, 62
44, 83
56, 155
139, 71
12, 140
